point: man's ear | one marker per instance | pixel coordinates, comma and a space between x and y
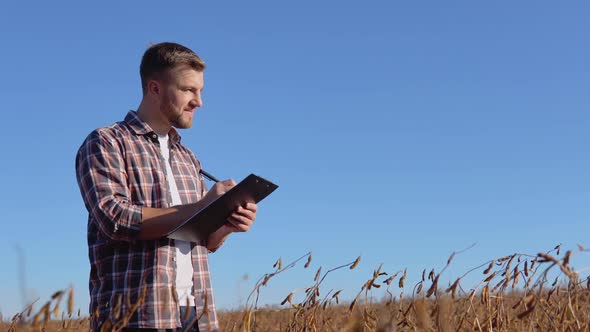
154, 88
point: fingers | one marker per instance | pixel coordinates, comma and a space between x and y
240, 223
248, 213
243, 218
222, 187
228, 183
251, 206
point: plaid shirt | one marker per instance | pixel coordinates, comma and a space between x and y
119, 170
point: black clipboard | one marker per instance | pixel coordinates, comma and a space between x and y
252, 189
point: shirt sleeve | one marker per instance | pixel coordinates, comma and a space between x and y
102, 178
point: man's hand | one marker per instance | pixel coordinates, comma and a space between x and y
240, 221
243, 218
217, 190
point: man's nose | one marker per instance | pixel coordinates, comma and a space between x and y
196, 102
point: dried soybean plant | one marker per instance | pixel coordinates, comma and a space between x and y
516, 292
309, 314
305, 315
251, 307
49, 317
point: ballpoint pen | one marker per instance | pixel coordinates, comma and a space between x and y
208, 176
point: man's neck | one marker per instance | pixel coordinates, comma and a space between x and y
151, 115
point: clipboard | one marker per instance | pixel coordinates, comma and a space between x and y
252, 189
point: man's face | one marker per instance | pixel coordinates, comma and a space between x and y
181, 96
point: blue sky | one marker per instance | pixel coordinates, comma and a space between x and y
399, 131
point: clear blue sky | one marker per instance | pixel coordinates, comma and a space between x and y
397, 130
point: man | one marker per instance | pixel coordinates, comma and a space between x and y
138, 182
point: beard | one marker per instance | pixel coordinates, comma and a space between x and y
177, 117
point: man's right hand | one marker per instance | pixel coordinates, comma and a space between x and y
217, 190
157, 222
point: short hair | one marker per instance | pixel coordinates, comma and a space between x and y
161, 57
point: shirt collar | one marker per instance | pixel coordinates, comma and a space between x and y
140, 127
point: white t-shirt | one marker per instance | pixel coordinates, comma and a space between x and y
184, 263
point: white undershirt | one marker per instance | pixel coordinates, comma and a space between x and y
184, 264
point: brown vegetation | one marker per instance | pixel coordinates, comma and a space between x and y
517, 292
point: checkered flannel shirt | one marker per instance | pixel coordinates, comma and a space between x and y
119, 171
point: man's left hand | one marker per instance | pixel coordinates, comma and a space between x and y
243, 218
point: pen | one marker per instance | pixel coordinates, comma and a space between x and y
208, 176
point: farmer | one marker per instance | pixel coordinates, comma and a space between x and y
138, 183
